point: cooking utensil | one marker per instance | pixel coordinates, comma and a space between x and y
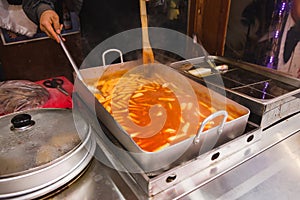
42, 150
155, 161
148, 56
62, 44
56, 83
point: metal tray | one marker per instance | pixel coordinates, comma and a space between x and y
155, 162
269, 94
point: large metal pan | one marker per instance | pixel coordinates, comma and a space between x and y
177, 153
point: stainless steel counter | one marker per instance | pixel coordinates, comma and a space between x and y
272, 174
263, 163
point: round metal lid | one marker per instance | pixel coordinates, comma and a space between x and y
32, 139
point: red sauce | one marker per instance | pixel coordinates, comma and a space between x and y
151, 94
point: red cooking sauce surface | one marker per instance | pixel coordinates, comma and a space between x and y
152, 94
140, 106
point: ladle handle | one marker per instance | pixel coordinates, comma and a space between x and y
62, 44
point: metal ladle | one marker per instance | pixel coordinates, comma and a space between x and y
93, 89
63, 46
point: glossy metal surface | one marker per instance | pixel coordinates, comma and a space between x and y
66, 51
269, 94
167, 157
44, 156
273, 174
250, 166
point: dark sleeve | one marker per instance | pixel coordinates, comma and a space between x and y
34, 8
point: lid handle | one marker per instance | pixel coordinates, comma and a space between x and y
21, 122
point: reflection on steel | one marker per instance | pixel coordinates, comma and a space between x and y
264, 89
279, 16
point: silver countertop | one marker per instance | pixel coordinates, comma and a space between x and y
266, 167
272, 174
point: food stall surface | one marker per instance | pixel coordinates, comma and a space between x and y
261, 162
274, 173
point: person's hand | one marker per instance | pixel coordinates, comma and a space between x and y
49, 23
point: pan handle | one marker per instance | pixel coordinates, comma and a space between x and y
209, 118
111, 50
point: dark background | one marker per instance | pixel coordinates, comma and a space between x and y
99, 20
